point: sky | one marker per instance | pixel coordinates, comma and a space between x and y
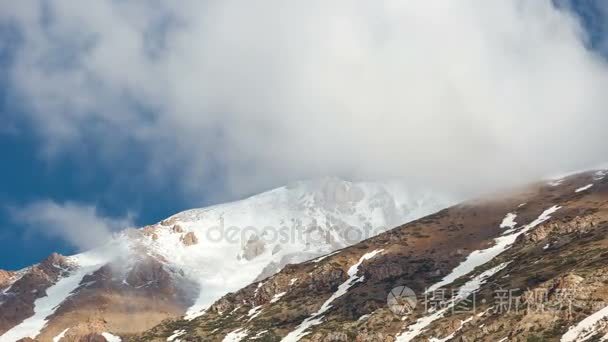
121, 113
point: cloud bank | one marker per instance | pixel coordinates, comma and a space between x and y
80, 225
236, 96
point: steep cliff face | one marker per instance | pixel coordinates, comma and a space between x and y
25, 287
531, 265
183, 264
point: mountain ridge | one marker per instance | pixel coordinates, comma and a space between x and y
549, 238
161, 270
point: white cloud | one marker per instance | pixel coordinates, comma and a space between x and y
80, 225
460, 95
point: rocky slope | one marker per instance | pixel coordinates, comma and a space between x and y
188, 261
530, 265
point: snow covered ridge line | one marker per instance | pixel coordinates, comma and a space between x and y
254, 238
317, 317
557, 179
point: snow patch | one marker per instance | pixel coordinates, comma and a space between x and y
254, 312
110, 338
236, 335
61, 335
364, 317
585, 329
599, 175
509, 221
480, 257
176, 334
475, 259
277, 296
583, 188
317, 317
484, 312
324, 257
463, 292
259, 334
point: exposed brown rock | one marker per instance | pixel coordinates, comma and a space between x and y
18, 304
92, 338
55, 263
168, 222
150, 231
142, 299
578, 224
177, 229
6, 278
148, 273
189, 239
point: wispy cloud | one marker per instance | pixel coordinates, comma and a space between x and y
80, 225
461, 95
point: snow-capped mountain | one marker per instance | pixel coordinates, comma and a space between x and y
183, 264
254, 238
523, 265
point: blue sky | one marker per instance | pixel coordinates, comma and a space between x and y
139, 110
27, 177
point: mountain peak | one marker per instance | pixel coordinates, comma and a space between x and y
193, 258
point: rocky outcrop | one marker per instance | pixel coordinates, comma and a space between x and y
579, 225
92, 338
150, 231
6, 279
189, 239
17, 303
122, 299
149, 272
177, 229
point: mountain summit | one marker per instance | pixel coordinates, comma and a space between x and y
185, 263
527, 265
